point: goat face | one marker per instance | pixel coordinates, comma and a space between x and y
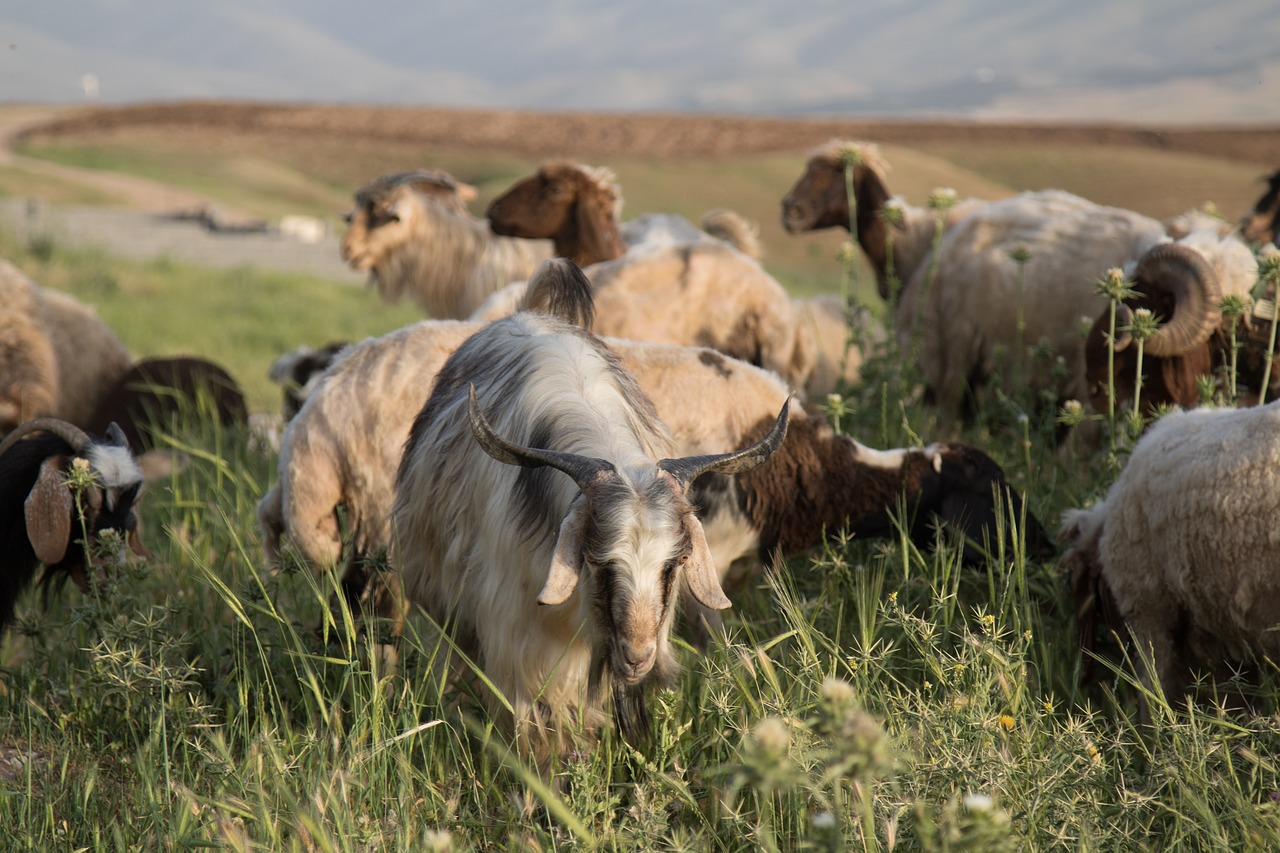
375, 229
818, 199
538, 206
1262, 224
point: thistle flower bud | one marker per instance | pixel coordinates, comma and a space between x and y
942, 198
1020, 254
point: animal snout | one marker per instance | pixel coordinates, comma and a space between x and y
794, 215
638, 660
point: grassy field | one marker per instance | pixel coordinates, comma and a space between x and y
871, 696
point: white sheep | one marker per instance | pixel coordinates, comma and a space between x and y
1182, 551
559, 587
412, 233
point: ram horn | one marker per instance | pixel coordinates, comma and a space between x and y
1184, 274
689, 468
584, 470
69, 433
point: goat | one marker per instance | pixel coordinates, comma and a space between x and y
413, 244
46, 519
57, 358
609, 546
579, 209
1262, 224
161, 394
299, 372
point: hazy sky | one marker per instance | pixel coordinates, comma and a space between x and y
1171, 60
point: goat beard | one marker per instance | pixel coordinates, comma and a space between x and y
630, 709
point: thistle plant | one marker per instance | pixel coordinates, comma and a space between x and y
1269, 272
1233, 308
1144, 325
892, 216
1115, 288
941, 200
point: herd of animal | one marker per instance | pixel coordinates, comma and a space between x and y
608, 425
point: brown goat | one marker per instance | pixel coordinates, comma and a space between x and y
577, 207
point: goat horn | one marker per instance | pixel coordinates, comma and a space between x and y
1183, 273
69, 433
584, 470
688, 468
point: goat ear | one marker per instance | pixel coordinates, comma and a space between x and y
598, 237
116, 436
48, 512
466, 192
700, 569
566, 562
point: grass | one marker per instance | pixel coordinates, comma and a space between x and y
871, 696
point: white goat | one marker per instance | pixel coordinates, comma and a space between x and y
609, 546
414, 243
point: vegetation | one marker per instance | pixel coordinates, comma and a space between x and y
870, 696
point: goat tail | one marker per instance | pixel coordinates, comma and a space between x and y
560, 289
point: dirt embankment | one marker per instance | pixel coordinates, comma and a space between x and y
599, 135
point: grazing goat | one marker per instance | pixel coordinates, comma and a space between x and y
579, 209
1181, 554
609, 545
819, 199
162, 394
47, 520
1183, 284
414, 244
56, 357
698, 294
1262, 224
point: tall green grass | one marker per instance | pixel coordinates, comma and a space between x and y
869, 696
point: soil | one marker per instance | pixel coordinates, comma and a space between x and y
601, 135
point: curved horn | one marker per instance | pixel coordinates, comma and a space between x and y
1183, 273
1124, 317
70, 433
688, 468
584, 470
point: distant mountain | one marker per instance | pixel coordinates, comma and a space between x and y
1149, 60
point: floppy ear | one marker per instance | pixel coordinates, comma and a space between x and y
466, 192
598, 237
566, 562
700, 569
48, 512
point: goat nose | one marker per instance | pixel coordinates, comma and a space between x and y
640, 658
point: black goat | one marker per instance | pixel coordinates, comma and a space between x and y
45, 519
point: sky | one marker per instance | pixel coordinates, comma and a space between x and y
1174, 61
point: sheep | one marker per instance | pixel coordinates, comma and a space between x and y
56, 357
836, 342
413, 244
696, 294
476, 538
1262, 224
1181, 552
344, 445
1183, 284
47, 520
579, 209
819, 199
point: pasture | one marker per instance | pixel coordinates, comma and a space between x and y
870, 696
